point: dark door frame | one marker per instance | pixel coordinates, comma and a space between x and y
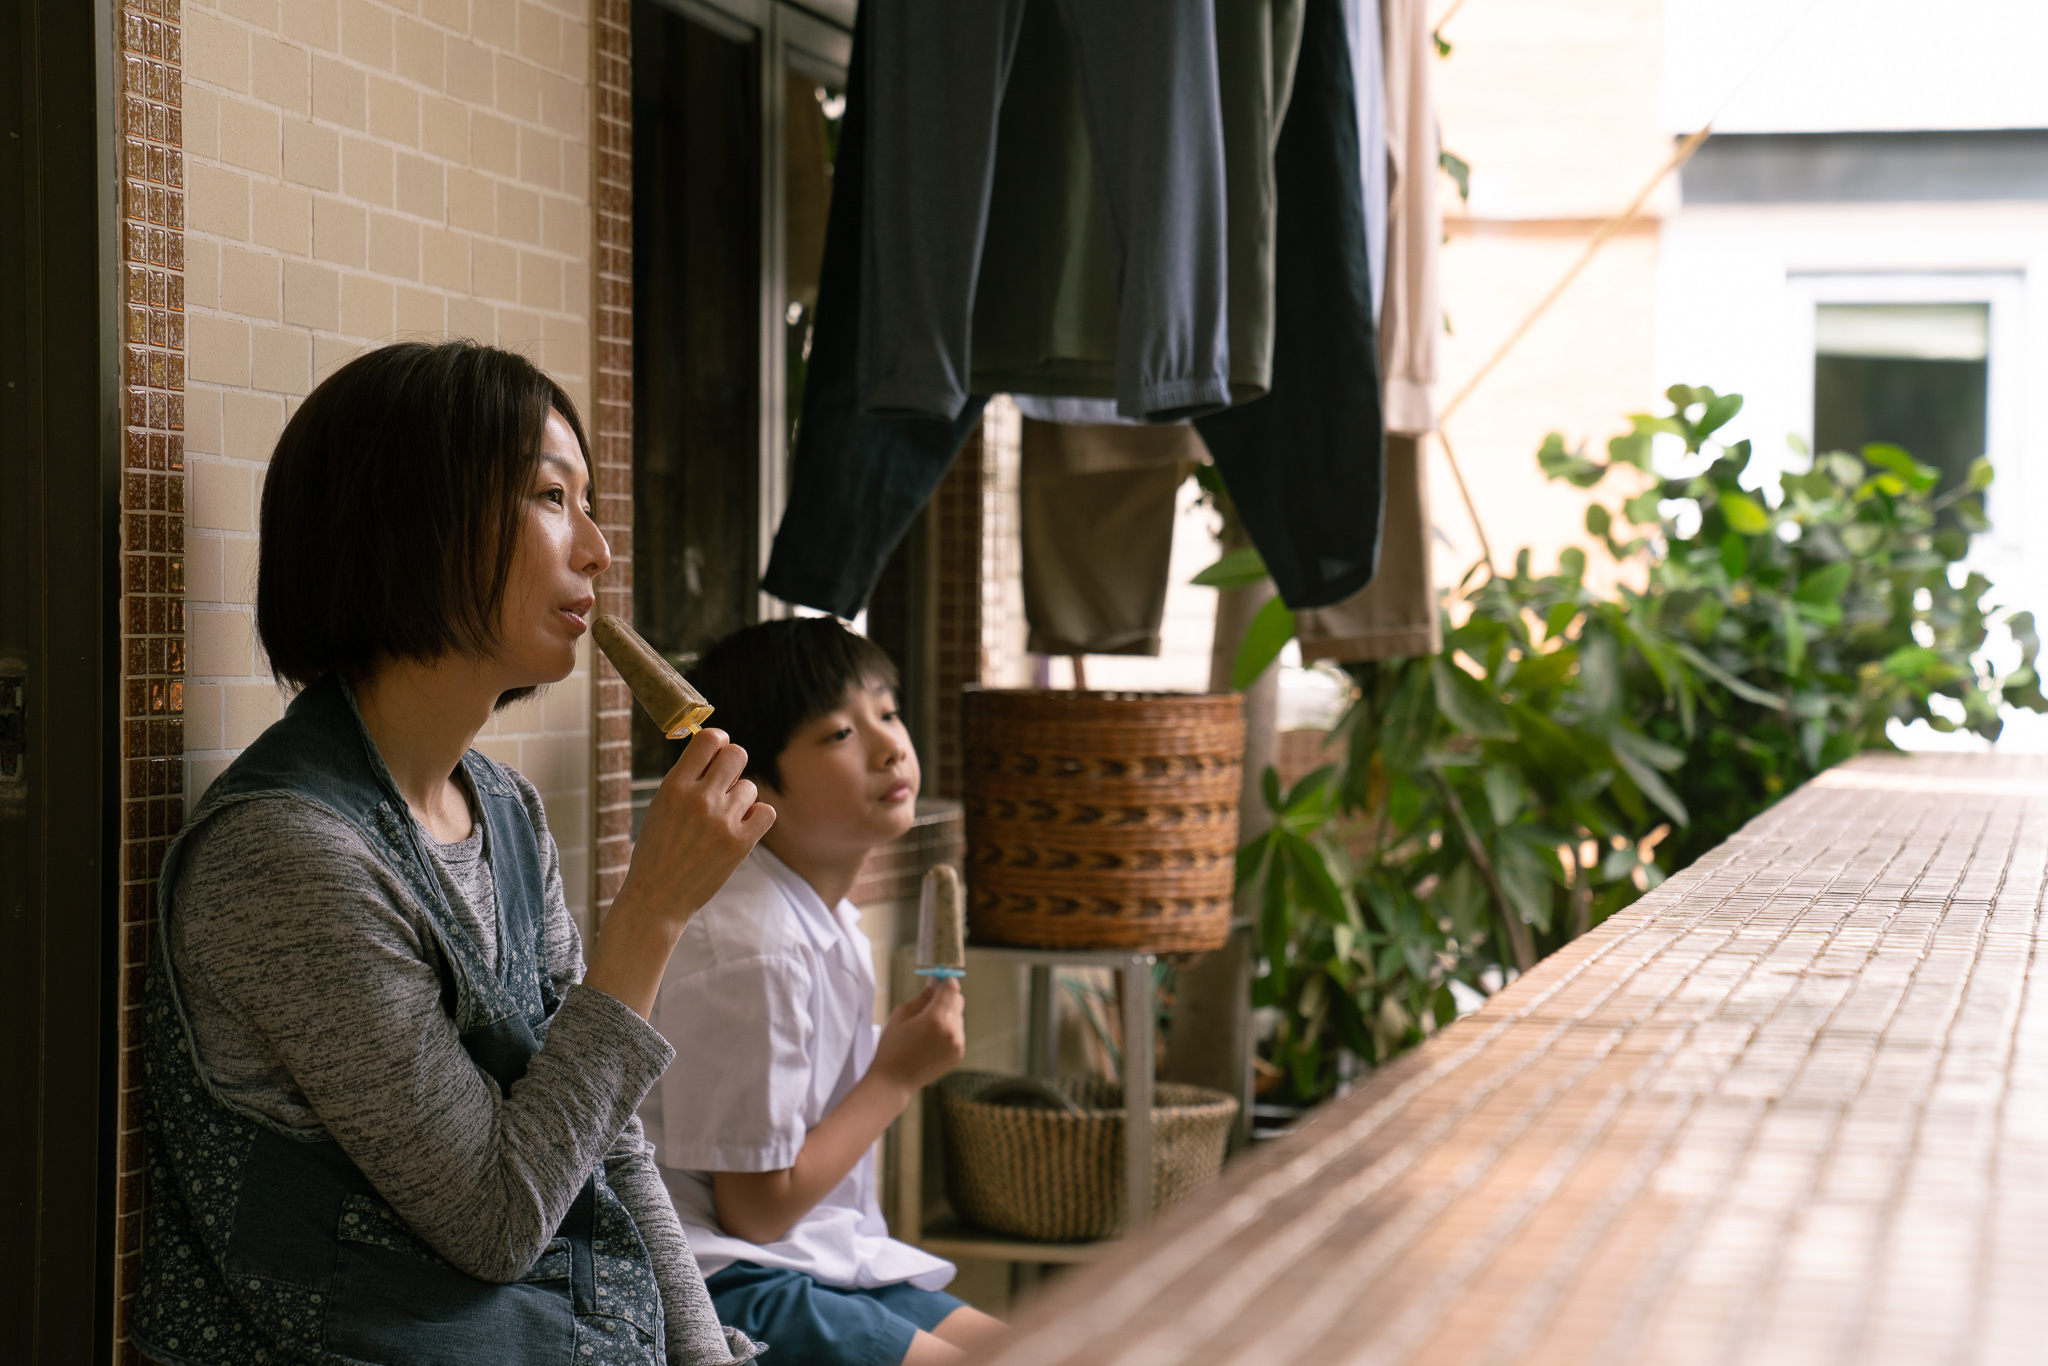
59, 544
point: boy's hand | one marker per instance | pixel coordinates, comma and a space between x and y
925, 1036
705, 818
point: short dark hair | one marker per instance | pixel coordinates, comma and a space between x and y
393, 506
770, 680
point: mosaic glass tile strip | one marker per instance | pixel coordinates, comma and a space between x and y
152, 609
611, 427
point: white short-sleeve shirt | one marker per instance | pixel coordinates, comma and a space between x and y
769, 1001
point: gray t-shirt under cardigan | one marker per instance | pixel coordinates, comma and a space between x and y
310, 981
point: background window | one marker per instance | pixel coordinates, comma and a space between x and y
696, 339
1913, 375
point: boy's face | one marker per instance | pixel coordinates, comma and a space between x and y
849, 777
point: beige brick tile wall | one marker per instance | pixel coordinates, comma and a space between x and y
365, 171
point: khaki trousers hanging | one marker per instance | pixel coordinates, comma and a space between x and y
1394, 616
1098, 506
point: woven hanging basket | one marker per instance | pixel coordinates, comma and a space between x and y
1101, 820
1055, 1173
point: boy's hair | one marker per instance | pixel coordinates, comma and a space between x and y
394, 505
768, 681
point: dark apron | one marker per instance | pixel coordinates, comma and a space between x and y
266, 1243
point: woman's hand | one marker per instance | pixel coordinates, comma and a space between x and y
705, 818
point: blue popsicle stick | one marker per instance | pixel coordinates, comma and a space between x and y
940, 972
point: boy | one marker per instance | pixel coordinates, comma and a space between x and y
764, 1124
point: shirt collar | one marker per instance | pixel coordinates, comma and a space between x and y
828, 927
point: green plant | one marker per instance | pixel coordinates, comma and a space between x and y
1572, 744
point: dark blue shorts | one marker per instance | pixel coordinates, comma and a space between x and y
805, 1321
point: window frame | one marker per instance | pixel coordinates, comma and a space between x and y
2017, 497
786, 37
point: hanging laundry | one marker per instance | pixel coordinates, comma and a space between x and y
1369, 78
1411, 317
1080, 412
1395, 616
1305, 465
1143, 75
1045, 317
1099, 505
857, 481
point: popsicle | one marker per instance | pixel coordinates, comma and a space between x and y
676, 707
942, 925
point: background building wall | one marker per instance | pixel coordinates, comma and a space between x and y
1556, 106
1762, 66
359, 172
1739, 279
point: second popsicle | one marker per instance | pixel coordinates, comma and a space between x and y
942, 925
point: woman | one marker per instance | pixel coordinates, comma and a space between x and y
391, 1112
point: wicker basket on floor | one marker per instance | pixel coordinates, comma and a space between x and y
1055, 1173
1101, 820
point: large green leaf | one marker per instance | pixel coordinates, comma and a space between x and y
1793, 628
1734, 555
1466, 703
1823, 587
1912, 473
1312, 874
1525, 882
1720, 408
1652, 752
1559, 463
1642, 509
1599, 671
1634, 447
1410, 717
1240, 568
1748, 692
1506, 794
1646, 778
1744, 513
1268, 634
1915, 662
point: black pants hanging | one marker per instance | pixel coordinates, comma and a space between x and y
856, 481
1306, 464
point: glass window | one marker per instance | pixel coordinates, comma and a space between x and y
736, 117
696, 340
814, 104
1913, 375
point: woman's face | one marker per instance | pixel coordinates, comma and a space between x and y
549, 597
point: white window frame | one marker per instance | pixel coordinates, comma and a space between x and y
2016, 499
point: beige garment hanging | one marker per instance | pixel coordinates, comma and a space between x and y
1394, 616
1411, 315
1098, 508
